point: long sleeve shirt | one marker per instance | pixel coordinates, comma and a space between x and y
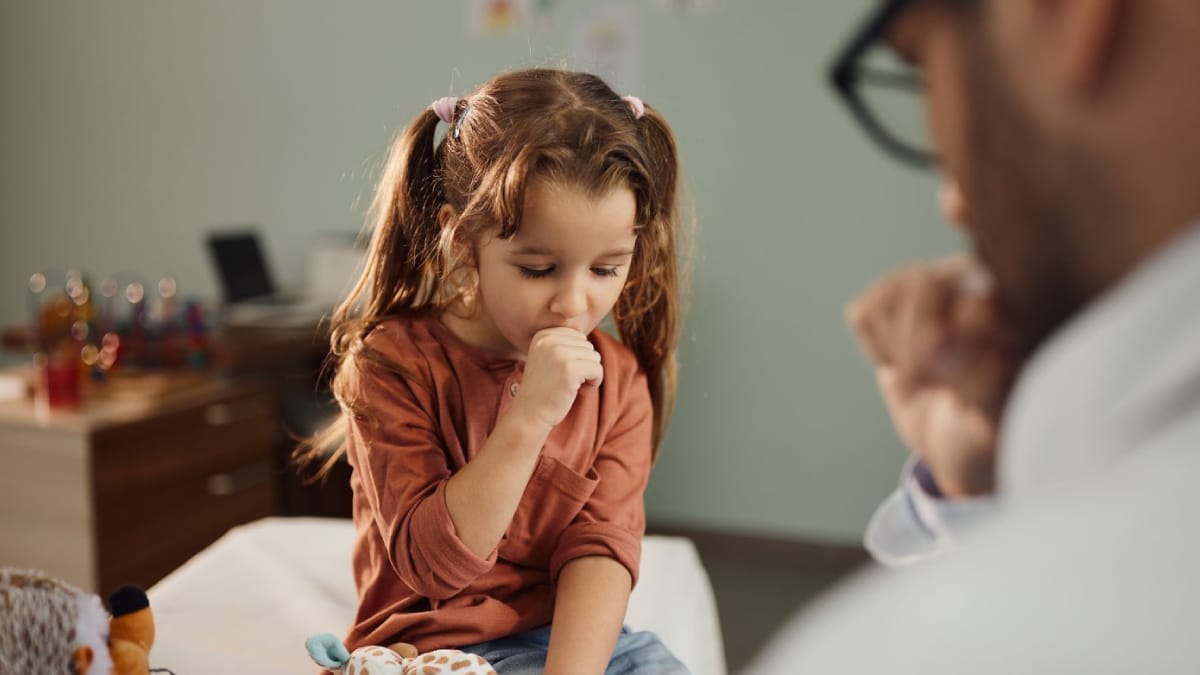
420, 421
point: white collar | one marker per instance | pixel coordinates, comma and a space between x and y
1087, 386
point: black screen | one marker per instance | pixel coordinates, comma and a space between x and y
241, 266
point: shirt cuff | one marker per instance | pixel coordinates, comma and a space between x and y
917, 522
439, 558
603, 539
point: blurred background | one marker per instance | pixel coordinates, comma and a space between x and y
134, 130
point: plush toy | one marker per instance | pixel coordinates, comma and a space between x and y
130, 631
50, 626
398, 659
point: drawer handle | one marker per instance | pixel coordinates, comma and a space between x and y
223, 414
238, 480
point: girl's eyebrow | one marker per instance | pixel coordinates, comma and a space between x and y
534, 250
530, 250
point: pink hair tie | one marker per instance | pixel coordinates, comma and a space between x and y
444, 107
636, 105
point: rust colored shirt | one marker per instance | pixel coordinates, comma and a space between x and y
417, 581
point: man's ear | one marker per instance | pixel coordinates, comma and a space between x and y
1085, 34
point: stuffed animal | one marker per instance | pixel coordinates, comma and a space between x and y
51, 626
130, 631
398, 659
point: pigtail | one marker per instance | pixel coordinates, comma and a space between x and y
402, 257
648, 314
401, 275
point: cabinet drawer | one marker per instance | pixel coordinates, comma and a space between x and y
160, 538
166, 487
131, 458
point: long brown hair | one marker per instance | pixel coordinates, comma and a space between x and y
564, 127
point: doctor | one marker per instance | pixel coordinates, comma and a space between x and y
1049, 384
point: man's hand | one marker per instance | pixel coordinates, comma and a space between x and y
944, 364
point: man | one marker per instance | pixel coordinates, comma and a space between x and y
1048, 384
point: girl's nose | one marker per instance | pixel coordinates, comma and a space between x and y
569, 301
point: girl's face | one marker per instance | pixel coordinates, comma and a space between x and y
565, 266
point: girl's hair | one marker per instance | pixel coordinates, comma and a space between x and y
566, 128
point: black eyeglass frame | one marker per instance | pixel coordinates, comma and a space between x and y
846, 73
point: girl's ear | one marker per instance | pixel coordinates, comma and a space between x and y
446, 215
463, 251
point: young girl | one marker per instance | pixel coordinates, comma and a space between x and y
500, 442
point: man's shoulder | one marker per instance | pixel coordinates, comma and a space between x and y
1092, 578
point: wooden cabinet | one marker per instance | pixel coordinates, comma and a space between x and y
144, 476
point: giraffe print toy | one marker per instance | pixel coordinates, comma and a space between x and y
398, 659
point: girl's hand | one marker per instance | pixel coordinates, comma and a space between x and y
560, 361
944, 364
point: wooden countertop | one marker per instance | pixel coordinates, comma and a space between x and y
123, 398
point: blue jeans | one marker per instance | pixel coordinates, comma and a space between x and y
640, 653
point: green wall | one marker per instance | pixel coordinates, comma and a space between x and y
130, 127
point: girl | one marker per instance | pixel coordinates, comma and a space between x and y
501, 443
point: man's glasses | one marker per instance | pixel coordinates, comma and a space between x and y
885, 94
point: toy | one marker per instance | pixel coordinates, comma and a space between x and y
52, 626
130, 631
400, 658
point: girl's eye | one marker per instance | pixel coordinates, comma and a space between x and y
534, 272
604, 271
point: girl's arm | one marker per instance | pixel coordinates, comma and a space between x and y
595, 564
427, 510
483, 496
589, 607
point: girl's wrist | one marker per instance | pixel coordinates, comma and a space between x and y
525, 425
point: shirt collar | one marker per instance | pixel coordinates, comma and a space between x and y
1075, 401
